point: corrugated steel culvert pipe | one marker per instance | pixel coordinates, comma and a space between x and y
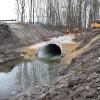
50, 50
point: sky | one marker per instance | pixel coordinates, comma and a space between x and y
7, 9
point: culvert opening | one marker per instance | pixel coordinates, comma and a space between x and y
49, 50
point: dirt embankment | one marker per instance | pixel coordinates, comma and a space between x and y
15, 36
78, 81
8, 42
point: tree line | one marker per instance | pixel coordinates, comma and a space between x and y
58, 13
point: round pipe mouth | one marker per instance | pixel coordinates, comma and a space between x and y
50, 50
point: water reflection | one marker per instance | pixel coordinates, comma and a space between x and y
28, 74
32, 73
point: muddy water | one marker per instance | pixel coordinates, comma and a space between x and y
27, 74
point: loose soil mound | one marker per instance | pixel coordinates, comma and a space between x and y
8, 42
84, 38
6, 35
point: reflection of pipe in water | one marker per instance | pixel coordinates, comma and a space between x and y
50, 50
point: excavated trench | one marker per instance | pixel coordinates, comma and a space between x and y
37, 73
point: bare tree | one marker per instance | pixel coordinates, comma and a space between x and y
21, 7
54, 13
31, 11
